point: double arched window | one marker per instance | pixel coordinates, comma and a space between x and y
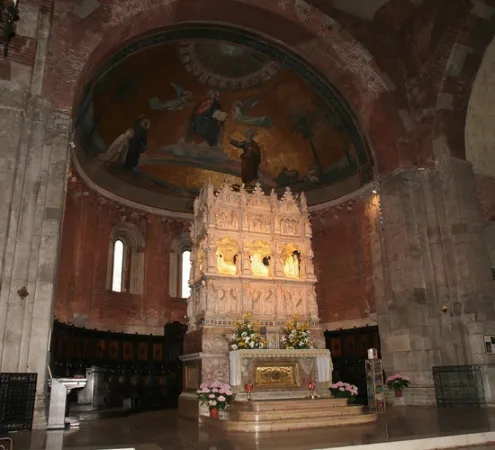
126, 259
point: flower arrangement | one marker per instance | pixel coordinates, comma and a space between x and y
247, 335
344, 390
398, 382
297, 335
216, 395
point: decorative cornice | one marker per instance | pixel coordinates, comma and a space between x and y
282, 353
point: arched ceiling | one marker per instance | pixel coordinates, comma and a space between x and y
202, 91
480, 132
365, 10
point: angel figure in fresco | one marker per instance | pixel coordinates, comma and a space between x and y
250, 156
137, 143
240, 112
206, 121
176, 104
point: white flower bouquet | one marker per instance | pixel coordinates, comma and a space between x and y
247, 335
297, 335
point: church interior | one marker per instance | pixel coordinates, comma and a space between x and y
247, 224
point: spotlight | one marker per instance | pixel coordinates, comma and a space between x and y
374, 191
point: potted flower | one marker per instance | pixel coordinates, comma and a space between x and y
247, 335
297, 335
215, 395
344, 390
397, 383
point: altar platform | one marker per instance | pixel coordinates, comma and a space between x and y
406, 428
280, 415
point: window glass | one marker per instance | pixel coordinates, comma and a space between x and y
118, 266
186, 271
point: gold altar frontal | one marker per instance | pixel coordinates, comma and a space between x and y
277, 375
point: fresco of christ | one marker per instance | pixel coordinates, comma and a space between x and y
205, 123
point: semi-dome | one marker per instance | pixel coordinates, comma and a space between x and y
174, 110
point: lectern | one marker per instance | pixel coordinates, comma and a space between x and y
59, 389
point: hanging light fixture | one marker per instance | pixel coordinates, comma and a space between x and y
9, 14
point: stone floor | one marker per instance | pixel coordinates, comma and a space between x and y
164, 431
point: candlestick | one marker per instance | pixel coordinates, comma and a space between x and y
249, 389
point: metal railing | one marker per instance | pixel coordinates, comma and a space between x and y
459, 386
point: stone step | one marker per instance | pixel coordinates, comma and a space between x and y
299, 413
292, 404
287, 423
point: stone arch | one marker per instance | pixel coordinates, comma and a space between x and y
473, 35
134, 246
316, 37
490, 241
479, 131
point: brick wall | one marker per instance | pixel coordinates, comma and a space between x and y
82, 297
343, 264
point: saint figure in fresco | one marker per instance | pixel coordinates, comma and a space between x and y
137, 143
250, 156
206, 121
116, 154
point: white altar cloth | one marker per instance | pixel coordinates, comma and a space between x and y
324, 366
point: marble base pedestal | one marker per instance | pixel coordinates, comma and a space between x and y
205, 358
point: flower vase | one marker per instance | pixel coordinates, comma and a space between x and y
398, 393
214, 413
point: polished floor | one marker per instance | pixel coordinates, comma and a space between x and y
164, 431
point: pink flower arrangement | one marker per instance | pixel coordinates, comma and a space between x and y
344, 390
398, 382
215, 394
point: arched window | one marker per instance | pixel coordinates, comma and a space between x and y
126, 259
185, 291
118, 276
180, 266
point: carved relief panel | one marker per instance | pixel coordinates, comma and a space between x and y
227, 219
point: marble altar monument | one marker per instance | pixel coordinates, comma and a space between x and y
251, 252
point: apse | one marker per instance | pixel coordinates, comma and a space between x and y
175, 110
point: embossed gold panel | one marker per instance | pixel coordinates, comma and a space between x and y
277, 375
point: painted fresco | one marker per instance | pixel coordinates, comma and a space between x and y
174, 115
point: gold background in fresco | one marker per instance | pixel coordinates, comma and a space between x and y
160, 65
